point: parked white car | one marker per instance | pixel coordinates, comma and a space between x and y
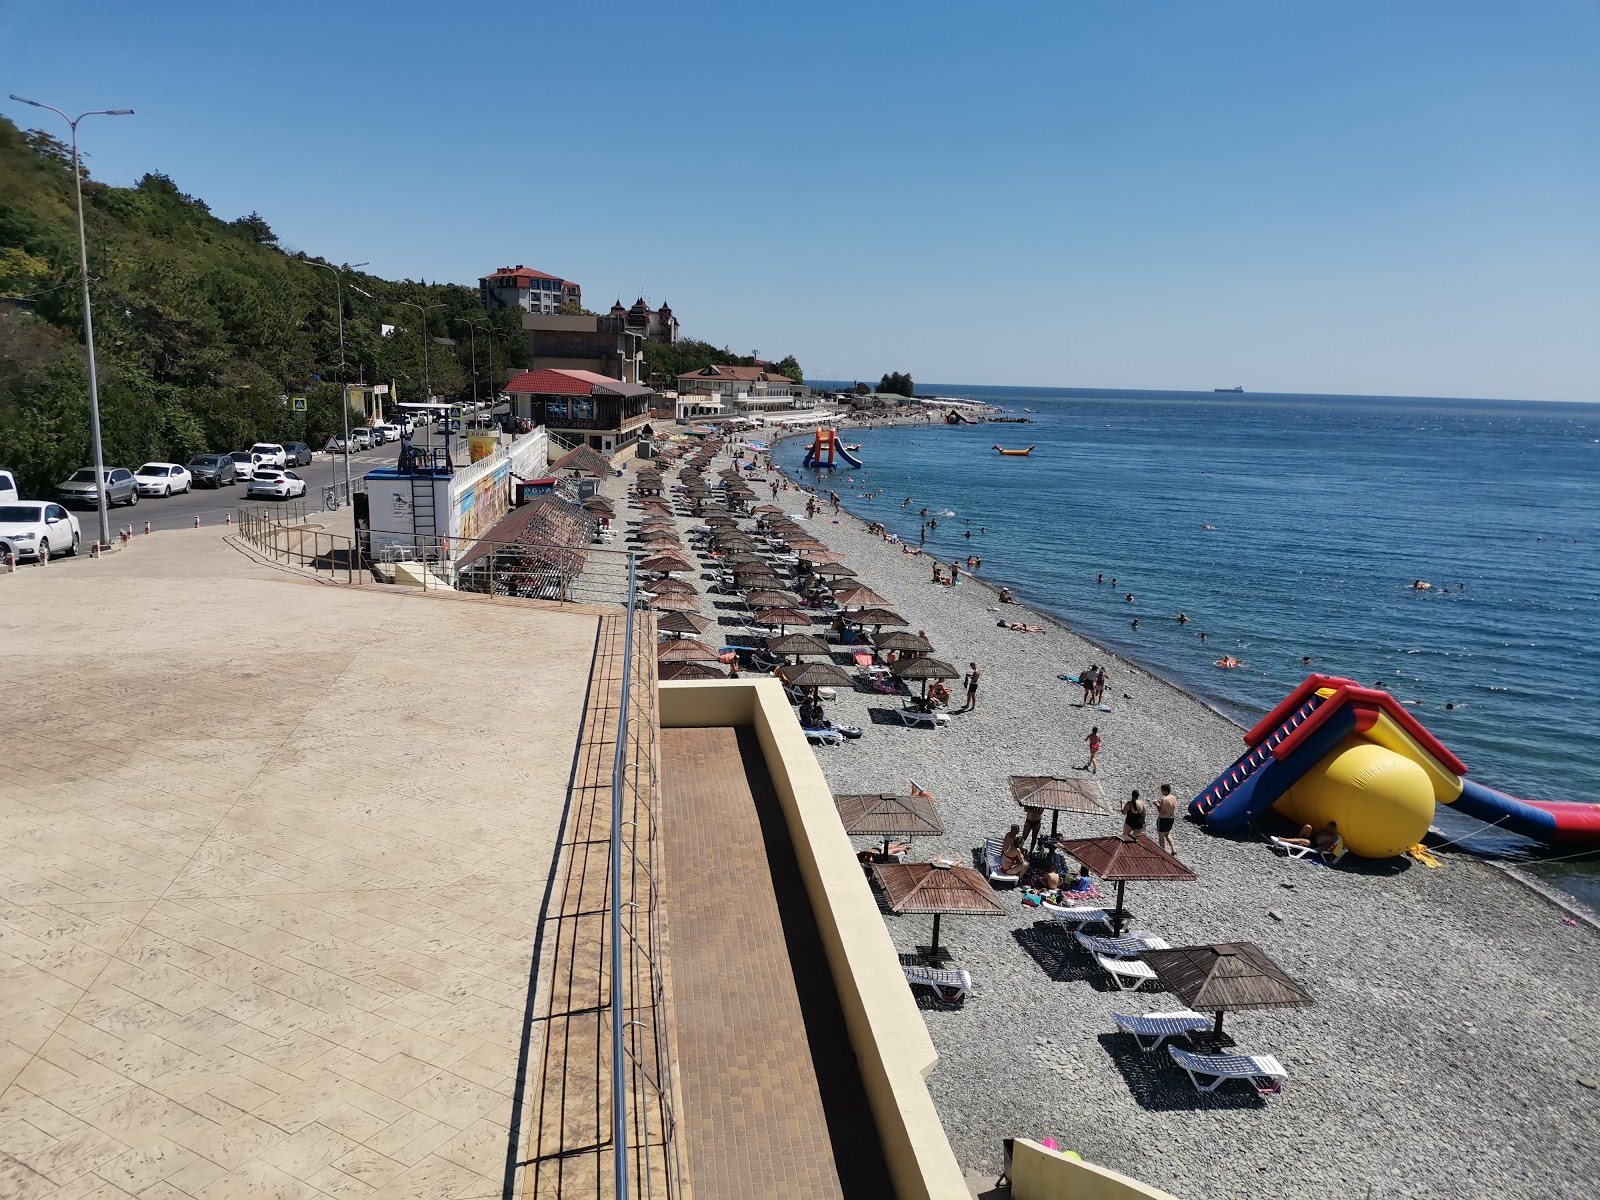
271, 454
244, 464
275, 484
162, 479
361, 439
8, 487
385, 433
29, 526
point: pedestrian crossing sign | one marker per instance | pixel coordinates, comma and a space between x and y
299, 403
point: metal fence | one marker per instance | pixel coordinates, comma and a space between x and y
642, 1073
593, 574
285, 533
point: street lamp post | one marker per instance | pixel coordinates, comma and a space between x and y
473, 333
88, 315
427, 378
344, 394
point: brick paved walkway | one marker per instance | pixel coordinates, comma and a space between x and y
772, 1100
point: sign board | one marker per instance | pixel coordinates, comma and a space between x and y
299, 403
380, 389
455, 418
587, 488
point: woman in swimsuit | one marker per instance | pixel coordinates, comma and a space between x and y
1133, 813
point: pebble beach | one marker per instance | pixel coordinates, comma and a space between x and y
1451, 1048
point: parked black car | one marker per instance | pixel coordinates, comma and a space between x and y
296, 454
213, 470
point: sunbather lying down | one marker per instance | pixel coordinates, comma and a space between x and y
1020, 627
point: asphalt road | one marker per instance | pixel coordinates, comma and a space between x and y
212, 504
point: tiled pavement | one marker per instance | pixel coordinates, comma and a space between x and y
270, 866
772, 1101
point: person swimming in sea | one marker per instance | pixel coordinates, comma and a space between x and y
1183, 618
1099, 578
1129, 597
1202, 635
1135, 623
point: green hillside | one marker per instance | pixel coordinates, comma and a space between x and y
202, 326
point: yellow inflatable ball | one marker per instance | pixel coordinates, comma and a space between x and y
1382, 801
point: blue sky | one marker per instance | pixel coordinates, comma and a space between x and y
1370, 197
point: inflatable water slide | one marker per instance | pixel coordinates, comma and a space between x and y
1333, 750
824, 446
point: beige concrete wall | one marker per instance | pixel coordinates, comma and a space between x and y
1041, 1174
887, 1033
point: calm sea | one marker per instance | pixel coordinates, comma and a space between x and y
1288, 526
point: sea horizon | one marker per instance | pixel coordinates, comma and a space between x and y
926, 391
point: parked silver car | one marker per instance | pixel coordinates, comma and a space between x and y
121, 488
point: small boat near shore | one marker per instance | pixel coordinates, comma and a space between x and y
1015, 453
1235, 388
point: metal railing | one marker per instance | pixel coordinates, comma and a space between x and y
284, 533
642, 1073
573, 574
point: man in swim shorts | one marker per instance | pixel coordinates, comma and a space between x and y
1166, 818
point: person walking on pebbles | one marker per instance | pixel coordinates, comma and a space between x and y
1133, 814
973, 675
1093, 765
1166, 818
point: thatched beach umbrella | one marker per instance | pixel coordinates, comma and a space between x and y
771, 598
1223, 978
673, 602
925, 669
860, 596
1059, 796
686, 650
689, 670
799, 645
874, 616
1117, 859
659, 543
680, 623
783, 617
904, 642
814, 675
666, 563
832, 570
885, 815
938, 890
679, 587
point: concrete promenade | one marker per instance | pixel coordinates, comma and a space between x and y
272, 855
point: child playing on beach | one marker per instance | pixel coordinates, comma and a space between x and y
1093, 765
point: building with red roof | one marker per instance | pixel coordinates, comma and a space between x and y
531, 291
582, 408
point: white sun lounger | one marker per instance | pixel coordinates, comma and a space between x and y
1129, 974
1077, 917
992, 849
1295, 850
910, 716
1130, 946
1218, 1068
949, 984
1160, 1026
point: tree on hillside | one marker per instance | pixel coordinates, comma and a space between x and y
790, 367
256, 229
